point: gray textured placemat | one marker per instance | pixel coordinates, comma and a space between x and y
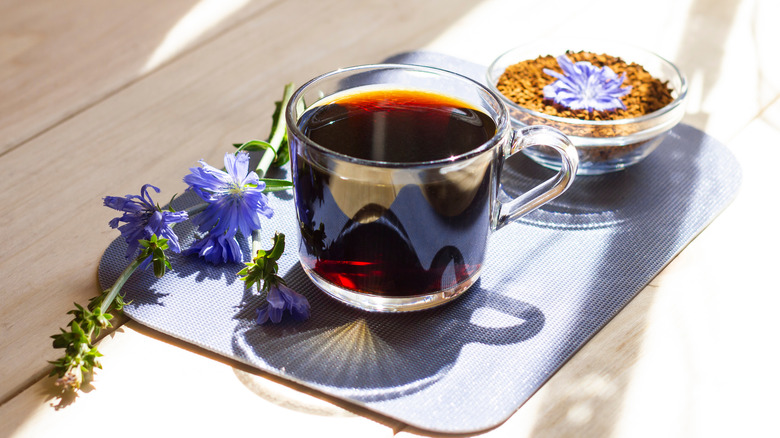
552, 280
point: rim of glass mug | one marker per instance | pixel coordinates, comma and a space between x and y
293, 113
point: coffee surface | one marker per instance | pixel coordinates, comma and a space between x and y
400, 126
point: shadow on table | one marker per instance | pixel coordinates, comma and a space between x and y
611, 201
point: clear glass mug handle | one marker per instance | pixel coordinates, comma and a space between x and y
548, 190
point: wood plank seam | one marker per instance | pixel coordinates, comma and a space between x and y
205, 42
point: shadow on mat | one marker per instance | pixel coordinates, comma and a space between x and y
373, 357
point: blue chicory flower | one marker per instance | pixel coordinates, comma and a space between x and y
585, 86
281, 298
235, 197
142, 219
217, 248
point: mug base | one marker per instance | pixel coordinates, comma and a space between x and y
385, 304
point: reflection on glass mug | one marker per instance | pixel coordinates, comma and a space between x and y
396, 171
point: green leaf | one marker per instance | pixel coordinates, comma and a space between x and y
170, 204
278, 123
283, 154
159, 268
119, 302
275, 185
60, 341
103, 320
254, 145
76, 329
278, 248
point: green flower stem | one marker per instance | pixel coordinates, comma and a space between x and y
278, 131
80, 357
117, 286
255, 250
262, 270
255, 242
192, 211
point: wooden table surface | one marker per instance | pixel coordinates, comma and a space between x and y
100, 97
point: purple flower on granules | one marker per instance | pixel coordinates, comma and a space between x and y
585, 86
142, 219
281, 298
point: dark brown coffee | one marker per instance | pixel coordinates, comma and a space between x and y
400, 126
364, 230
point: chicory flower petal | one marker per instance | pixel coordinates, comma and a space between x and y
141, 219
235, 197
280, 299
217, 248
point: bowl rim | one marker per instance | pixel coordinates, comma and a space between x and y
582, 45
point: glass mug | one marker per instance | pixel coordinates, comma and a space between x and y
396, 178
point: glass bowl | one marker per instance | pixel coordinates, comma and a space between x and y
603, 145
